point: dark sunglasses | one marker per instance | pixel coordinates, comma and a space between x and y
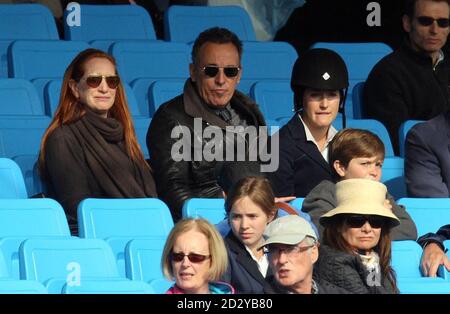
427, 21
212, 70
94, 81
357, 221
193, 258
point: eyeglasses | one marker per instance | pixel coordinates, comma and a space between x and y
357, 221
212, 70
94, 81
193, 258
427, 21
289, 250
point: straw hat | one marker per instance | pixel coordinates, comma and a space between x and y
360, 197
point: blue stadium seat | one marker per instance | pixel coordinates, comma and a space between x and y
424, 286
21, 287
357, 101
44, 59
55, 262
19, 98
162, 91
274, 98
120, 220
393, 176
111, 22
403, 132
211, 209
161, 285
371, 125
406, 257
266, 61
25, 218
185, 23
360, 59
23, 21
29, 167
11, 180
429, 214
143, 258
151, 60
108, 287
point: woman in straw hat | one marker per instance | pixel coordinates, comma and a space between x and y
356, 250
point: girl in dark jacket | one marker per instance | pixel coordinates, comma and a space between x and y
356, 250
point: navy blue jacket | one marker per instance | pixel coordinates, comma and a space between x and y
302, 166
243, 273
427, 160
438, 237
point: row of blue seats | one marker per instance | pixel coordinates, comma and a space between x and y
35, 240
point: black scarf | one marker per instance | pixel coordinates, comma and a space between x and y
103, 144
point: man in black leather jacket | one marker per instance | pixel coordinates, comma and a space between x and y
191, 132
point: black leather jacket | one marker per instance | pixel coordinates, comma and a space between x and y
177, 180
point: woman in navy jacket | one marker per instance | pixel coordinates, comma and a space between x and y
319, 82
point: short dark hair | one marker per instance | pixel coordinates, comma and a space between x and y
215, 35
410, 6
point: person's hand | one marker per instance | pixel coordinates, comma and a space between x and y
432, 257
284, 199
387, 204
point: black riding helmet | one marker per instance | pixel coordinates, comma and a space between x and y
320, 69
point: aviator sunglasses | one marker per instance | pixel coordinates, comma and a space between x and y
212, 70
193, 258
94, 81
427, 21
357, 221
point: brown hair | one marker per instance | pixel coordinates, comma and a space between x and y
258, 189
354, 143
217, 250
410, 6
332, 236
70, 109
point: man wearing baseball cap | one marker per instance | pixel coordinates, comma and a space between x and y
293, 249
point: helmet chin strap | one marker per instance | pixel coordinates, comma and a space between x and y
342, 109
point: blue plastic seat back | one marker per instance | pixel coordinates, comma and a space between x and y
211, 209
27, 21
424, 286
12, 184
143, 217
371, 125
403, 132
360, 58
29, 167
113, 22
358, 101
156, 60
21, 287
143, 258
266, 61
44, 259
393, 176
274, 98
185, 23
406, 257
162, 91
108, 287
161, 285
42, 59
19, 98
429, 214
23, 21
4, 272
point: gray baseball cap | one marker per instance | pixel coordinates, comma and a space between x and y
290, 229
